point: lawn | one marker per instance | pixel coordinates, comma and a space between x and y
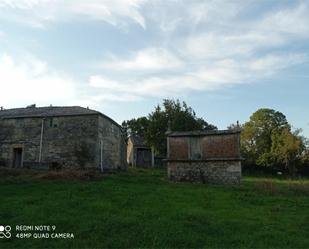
142, 209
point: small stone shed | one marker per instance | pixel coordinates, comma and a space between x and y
67, 137
138, 153
204, 156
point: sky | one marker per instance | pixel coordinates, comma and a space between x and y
225, 58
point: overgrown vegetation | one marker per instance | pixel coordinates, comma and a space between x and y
141, 209
269, 144
172, 115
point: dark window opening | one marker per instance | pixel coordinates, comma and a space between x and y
53, 123
17, 158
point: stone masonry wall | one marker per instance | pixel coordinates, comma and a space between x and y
114, 149
216, 172
69, 141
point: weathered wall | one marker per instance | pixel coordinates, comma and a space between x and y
114, 148
211, 158
216, 146
217, 172
204, 147
178, 148
69, 141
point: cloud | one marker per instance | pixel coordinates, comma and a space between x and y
288, 21
214, 57
146, 59
38, 13
273, 63
221, 74
31, 81
204, 46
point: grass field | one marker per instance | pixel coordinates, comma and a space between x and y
140, 208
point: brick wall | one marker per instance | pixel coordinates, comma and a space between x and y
209, 158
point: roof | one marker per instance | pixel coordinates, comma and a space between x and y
138, 141
50, 111
202, 133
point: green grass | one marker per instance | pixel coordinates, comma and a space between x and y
142, 209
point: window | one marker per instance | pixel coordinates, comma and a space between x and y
20, 123
53, 123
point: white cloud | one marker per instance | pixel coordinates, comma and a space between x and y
221, 74
38, 13
217, 11
32, 82
272, 63
289, 21
146, 59
205, 46
232, 51
217, 45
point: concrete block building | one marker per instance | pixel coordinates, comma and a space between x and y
69, 137
204, 156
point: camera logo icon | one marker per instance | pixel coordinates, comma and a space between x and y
5, 232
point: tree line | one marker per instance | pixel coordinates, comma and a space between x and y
268, 142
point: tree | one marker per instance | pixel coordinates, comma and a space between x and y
175, 116
267, 140
287, 148
256, 136
134, 126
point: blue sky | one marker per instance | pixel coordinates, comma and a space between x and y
225, 58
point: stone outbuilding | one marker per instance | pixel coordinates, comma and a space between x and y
138, 153
204, 156
62, 137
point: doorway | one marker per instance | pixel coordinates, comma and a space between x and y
143, 157
17, 158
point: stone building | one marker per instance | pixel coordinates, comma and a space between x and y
138, 153
67, 137
204, 156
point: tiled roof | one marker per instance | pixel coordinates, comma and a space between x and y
45, 112
50, 111
138, 141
